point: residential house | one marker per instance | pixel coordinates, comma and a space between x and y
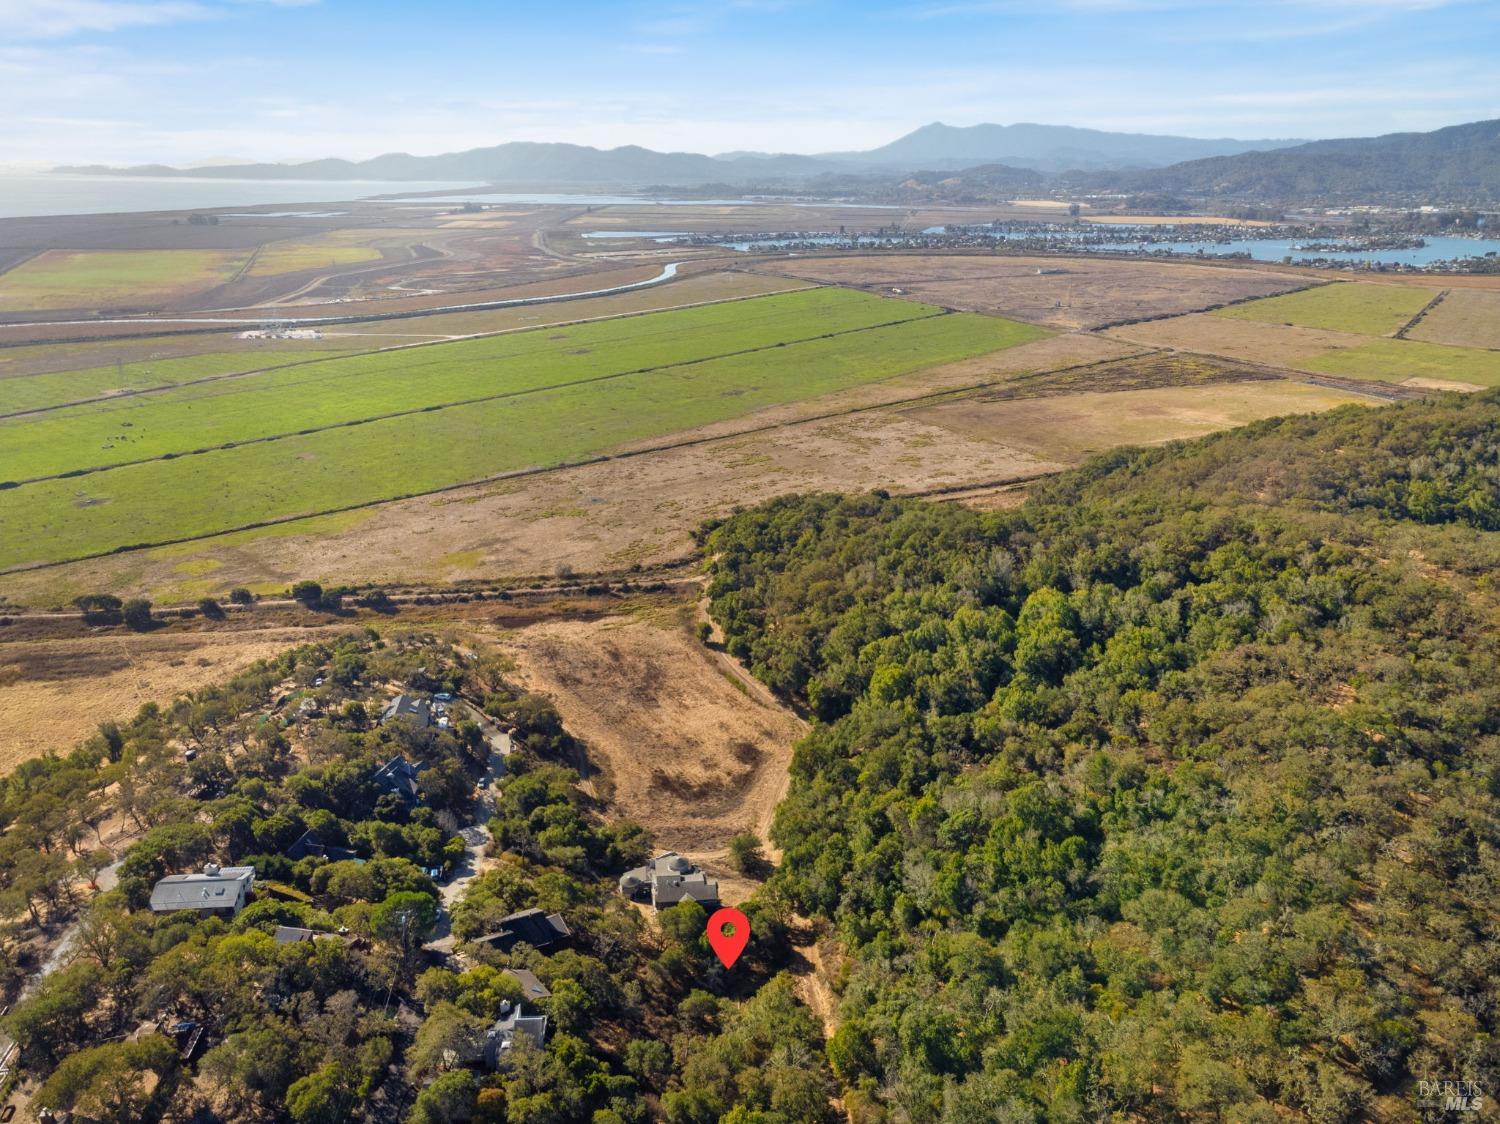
511, 1026
530, 926
292, 934
399, 775
531, 987
188, 1035
413, 708
308, 843
216, 888
668, 879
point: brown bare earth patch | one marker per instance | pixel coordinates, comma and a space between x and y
686, 749
1064, 292
1252, 340
1141, 372
1075, 426
55, 692
1442, 384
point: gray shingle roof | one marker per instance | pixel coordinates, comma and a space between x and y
214, 888
410, 707
400, 776
669, 878
531, 987
511, 1025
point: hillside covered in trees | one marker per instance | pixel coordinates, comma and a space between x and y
1175, 791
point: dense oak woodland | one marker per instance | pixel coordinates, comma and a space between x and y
641, 1025
1174, 791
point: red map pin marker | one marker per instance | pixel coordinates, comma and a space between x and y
728, 933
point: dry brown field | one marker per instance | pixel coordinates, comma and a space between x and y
1066, 293
55, 692
1466, 317
1176, 220
1251, 340
1072, 427
682, 740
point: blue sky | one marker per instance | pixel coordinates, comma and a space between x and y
184, 80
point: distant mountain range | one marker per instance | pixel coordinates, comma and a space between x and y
1052, 148
1457, 163
1046, 148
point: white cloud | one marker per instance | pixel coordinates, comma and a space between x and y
50, 19
57, 19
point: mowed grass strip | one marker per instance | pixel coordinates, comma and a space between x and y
32, 392
199, 495
113, 278
1399, 360
333, 392
1344, 306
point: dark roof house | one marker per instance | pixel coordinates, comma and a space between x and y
215, 888
668, 879
293, 934
411, 707
530, 926
512, 1025
309, 844
399, 775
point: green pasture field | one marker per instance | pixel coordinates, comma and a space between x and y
113, 278
200, 495
312, 253
57, 388
329, 392
693, 289
1344, 306
1398, 360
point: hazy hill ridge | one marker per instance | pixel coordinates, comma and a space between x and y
1462, 161
936, 146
